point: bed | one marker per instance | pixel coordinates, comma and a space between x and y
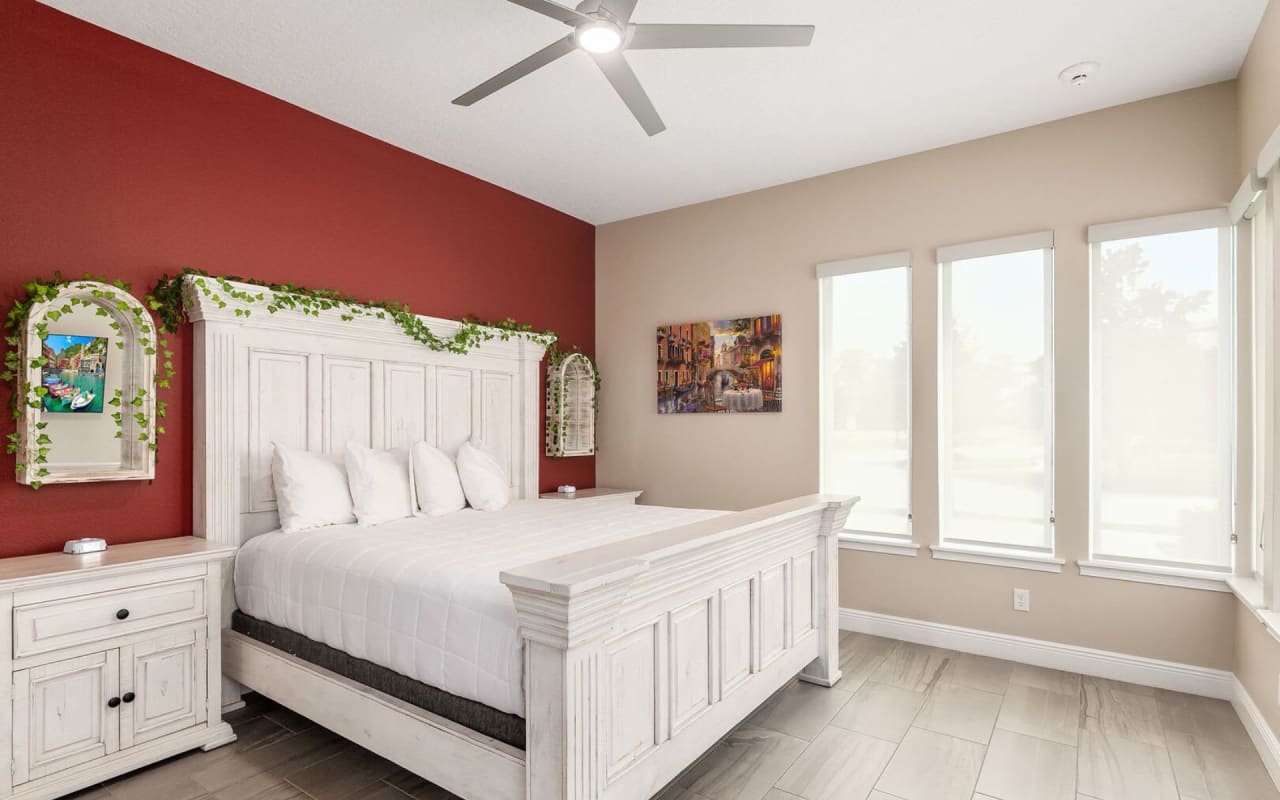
623, 640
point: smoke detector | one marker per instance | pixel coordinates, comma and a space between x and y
1079, 74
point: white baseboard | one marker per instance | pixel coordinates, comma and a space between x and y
1264, 739
1171, 675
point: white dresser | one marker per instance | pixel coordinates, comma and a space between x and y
114, 661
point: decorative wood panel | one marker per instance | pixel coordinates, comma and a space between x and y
453, 408
631, 670
774, 599
277, 413
736, 635
348, 404
166, 678
802, 601
498, 415
692, 653
60, 715
405, 399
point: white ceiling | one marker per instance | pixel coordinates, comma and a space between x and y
883, 78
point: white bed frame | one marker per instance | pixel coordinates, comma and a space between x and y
639, 655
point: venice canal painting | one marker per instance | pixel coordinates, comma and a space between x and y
74, 375
725, 366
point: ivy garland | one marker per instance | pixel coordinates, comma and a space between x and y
166, 300
26, 395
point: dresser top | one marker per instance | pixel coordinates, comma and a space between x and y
120, 557
587, 494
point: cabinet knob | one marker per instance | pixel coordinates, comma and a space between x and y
113, 702
122, 613
128, 697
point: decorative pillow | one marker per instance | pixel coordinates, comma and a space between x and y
483, 479
380, 485
435, 476
311, 489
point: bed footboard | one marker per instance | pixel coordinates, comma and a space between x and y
640, 655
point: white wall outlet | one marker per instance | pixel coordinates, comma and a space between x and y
1021, 599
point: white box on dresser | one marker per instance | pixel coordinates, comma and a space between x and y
113, 662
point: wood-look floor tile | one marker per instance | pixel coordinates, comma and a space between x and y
283, 757
960, 711
911, 666
1053, 680
838, 764
342, 776
978, 672
1212, 770
1040, 712
418, 788
281, 790
879, 795
778, 794
1114, 711
932, 766
880, 710
801, 710
1111, 768
860, 655
1202, 717
744, 765
1021, 767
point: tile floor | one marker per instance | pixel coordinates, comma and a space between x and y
906, 723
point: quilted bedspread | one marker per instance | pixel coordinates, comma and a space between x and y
421, 596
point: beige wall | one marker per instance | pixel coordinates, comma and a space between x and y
755, 253
1257, 657
1259, 89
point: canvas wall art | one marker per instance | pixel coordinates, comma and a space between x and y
74, 374
725, 366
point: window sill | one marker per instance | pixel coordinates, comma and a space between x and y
871, 543
1249, 592
1161, 576
997, 558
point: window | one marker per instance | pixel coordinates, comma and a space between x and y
995, 399
1263, 378
1162, 376
866, 390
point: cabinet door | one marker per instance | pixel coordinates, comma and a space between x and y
162, 685
61, 716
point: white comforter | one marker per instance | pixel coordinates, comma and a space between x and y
421, 596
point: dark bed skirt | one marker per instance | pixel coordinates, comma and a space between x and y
504, 727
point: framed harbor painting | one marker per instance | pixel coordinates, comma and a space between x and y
74, 374
723, 366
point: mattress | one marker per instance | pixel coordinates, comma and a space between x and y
421, 596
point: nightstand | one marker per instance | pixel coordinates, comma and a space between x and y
599, 495
114, 659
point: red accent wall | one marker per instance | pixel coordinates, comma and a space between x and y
118, 160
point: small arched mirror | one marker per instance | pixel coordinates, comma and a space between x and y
86, 387
571, 407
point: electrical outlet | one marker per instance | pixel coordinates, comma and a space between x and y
1021, 599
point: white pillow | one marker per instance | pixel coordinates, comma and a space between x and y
483, 479
311, 489
379, 484
435, 476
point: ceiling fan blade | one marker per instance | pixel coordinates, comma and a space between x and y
678, 37
520, 69
622, 9
628, 87
557, 12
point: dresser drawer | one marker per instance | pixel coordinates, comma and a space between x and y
54, 624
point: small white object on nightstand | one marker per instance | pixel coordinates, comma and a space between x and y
81, 546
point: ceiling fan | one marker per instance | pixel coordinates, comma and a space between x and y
603, 29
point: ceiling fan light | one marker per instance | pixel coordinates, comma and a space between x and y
599, 37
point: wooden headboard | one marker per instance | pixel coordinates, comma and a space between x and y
320, 382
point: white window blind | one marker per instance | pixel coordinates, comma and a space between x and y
866, 398
996, 393
1162, 393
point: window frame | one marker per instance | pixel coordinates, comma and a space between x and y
850, 537
1107, 565
951, 548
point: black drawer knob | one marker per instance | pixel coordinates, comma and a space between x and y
122, 613
113, 702
128, 697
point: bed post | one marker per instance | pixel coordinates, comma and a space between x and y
825, 669
564, 631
